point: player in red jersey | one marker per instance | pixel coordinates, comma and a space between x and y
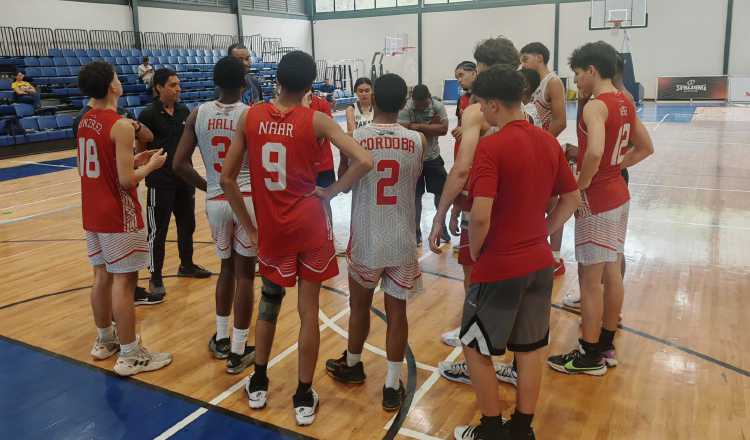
282, 141
607, 130
115, 237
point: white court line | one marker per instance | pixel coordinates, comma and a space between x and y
702, 225
696, 188
28, 162
416, 434
660, 122
41, 201
28, 217
44, 187
237, 386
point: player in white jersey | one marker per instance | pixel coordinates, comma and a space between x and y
361, 112
549, 100
211, 126
382, 247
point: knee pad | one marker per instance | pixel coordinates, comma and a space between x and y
270, 301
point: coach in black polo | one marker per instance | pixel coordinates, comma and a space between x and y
167, 193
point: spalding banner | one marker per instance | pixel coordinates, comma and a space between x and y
686, 88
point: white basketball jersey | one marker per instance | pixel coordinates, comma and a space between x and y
383, 229
361, 119
542, 102
214, 129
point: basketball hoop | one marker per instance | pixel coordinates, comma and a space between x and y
616, 26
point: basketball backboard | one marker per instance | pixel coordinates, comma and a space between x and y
627, 14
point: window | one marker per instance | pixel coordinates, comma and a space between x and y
344, 5
323, 5
365, 4
386, 3
407, 2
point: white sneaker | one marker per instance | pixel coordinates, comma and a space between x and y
141, 360
572, 301
104, 349
257, 396
304, 412
506, 373
451, 338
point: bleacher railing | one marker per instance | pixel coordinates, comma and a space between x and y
30, 41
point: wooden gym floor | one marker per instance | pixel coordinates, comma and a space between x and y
684, 371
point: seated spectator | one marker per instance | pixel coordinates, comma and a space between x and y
25, 92
146, 72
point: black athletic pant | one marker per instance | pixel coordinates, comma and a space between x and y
162, 203
432, 180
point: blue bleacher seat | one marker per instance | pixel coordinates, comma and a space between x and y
121, 61
49, 125
23, 110
173, 52
69, 52
55, 52
180, 68
31, 130
84, 60
133, 101
110, 60
72, 91
190, 53
105, 53
6, 141
172, 59
62, 71
92, 53
45, 62
135, 53
80, 53
116, 52
19, 139
31, 62
122, 102
137, 111
59, 62
48, 71
133, 61
74, 70
181, 60
118, 69
216, 59
64, 121
33, 72
7, 110
6, 95
147, 52
72, 61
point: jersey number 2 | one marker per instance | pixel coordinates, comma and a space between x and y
386, 182
274, 162
220, 142
88, 161
623, 141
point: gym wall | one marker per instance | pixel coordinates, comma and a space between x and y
58, 14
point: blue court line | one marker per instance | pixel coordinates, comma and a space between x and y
35, 169
46, 395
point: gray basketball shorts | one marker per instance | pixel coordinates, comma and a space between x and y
509, 314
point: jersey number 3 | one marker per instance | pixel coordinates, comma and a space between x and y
274, 162
220, 142
386, 182
88, 160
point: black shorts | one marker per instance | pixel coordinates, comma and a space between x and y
433, 176
512, 314
325, 178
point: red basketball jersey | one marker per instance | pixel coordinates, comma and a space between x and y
326, 160
283, 152
462, 201
107, 206
608, 189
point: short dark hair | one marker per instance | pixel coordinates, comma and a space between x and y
469, 66
145, 59
390, 93
499, 50
229, 73
296, 71
537, 48
234, 46
599, 54
360, 81
162, 75
532, 79
420, 92
95, 78
501, 83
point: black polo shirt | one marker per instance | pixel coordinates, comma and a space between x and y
167, 131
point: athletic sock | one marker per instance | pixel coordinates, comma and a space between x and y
393, 375
590, 349
520, 424
106, 334
606, 339
352, 359
261, 372
127, 349
491, 426
239, 340
222, 327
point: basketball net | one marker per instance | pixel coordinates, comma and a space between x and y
616, 28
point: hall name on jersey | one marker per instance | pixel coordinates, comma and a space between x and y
277, 128
221, 124
388, 143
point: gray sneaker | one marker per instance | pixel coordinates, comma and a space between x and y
141, 360
238, 362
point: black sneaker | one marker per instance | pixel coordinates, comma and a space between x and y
193, 271
257, 392
392, 398
339, 370
238, 362
529, 435
143, 298
578, 362
474, 432
220, 348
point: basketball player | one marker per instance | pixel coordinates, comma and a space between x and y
382, 248
360, 113
605, 133
509, 301
115, 236
211, 126
494, 51
282, 141
549, 99
531, 77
